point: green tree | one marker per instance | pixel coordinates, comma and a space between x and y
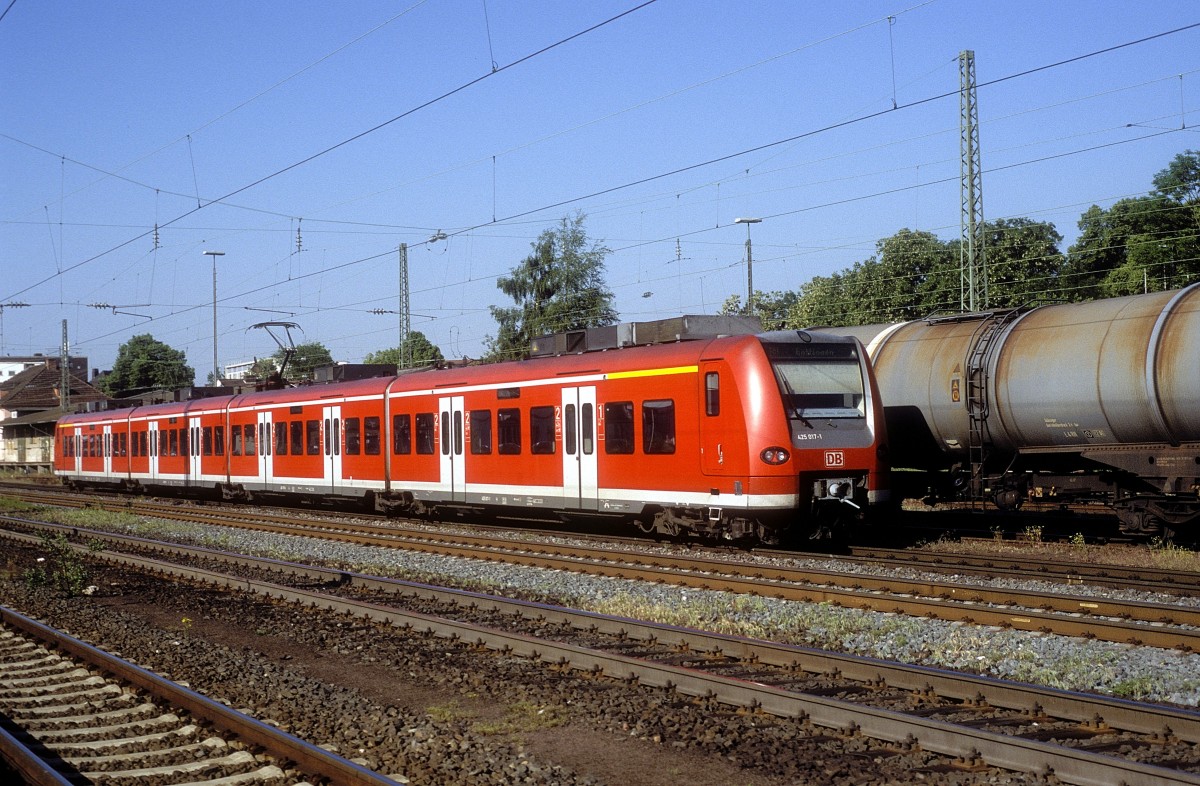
144, 363
421, 351
773, 308
1180, 181
263, 368
1144, 243
307, 357
1024, 264
560, 286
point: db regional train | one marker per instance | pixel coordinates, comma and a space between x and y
1096, 402
696, 426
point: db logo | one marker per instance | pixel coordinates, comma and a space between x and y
835, 458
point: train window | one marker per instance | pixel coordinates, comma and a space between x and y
821, 388
508, 432
618, 427
172, 442
658, 426
162, 443
312, 435
353, 437
296, 432
589, 429
219, 440
249, 439
281, 439
425, 423
143, 438
402, 434
541, 430
445, 433
206, 440
458, 433
570, 437
235, 440
481, 431
712, 394
371, 436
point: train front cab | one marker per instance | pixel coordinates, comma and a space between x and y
837, 439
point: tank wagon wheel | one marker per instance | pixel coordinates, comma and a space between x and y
1149, 517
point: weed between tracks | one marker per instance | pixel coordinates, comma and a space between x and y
1158, 553
521, 717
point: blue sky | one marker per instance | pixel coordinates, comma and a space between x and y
354, 127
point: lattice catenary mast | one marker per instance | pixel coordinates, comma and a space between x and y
405, 348
973, 295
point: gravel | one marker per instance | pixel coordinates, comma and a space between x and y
1136, 672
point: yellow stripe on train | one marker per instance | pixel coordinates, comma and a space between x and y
653, 372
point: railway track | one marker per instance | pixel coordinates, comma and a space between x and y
73, 714
1036, 567
1166, 625
904, 713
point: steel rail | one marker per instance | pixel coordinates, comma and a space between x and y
1122, 714
1124, 576
308, 757
946, 738
1036, 568
34, 770
1090, 617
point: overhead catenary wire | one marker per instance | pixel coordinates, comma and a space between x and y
349, 140
494, 217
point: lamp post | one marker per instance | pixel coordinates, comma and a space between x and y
214, 255
749, 260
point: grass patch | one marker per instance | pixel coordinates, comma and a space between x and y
14, 505
523, 717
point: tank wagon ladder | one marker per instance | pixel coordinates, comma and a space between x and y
978, 435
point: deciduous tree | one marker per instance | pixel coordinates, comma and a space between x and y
558, 287
422, 352
145, 363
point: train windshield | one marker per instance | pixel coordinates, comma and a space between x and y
820, 380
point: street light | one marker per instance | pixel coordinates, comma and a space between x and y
214, 255
749, 260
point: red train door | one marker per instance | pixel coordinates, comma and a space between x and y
77, 450
333, 446
153, 444
106, 449
266, 444
580, 484
722, 436
193, 451
450, 420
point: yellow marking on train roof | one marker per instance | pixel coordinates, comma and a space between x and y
653, 372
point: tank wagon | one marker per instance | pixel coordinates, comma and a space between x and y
1095, 401
693, 426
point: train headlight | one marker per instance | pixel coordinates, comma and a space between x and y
775, 455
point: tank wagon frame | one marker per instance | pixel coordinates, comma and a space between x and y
694, 426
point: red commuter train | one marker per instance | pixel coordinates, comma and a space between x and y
675, 426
